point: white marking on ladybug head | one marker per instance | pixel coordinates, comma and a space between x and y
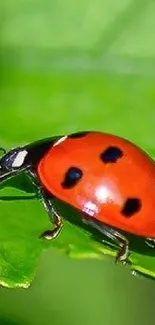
60, 140
19, 160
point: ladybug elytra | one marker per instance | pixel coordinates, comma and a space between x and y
107, 178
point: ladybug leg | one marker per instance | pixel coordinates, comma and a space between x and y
54, 216
115, 236
120, 240
150, 242
46, 201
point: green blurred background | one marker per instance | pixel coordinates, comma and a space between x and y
67, 66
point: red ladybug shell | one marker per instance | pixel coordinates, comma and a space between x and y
115, 181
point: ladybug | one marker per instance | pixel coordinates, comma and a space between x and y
107, 178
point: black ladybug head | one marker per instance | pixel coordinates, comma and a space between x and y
14, 159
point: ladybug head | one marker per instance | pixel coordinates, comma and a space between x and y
12, 162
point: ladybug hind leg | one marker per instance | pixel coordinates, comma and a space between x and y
120, 240
52, 213
115, 236
150, 242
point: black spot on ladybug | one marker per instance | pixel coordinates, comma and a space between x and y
131, 206
111, 155
72, 177
78, 135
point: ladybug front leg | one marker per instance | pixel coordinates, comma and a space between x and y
54, 216
46, 201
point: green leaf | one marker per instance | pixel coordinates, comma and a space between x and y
91, 69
